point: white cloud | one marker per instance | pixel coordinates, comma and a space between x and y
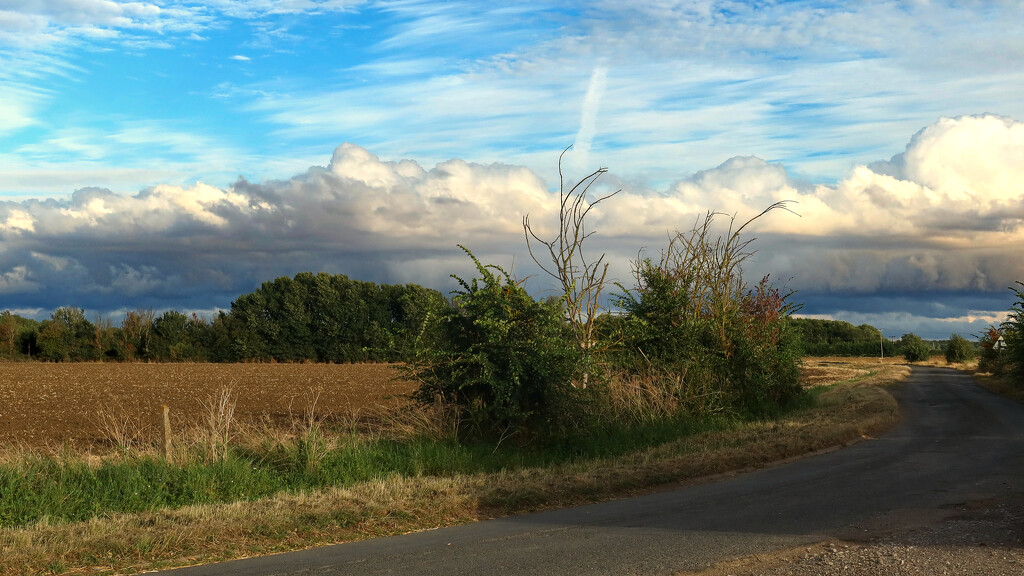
16, 280
38, 24
18, 221
241, 58
261, 8
937, 233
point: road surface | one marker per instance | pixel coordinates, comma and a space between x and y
957, 443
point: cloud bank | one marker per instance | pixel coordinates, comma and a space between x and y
929, 238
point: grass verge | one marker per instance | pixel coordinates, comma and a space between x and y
850, 404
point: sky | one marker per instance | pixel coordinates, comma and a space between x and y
175, 155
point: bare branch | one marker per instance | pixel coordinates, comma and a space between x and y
581, 281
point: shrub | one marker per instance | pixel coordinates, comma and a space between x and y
914, 348
692, 325
959, 350
505, 360
1013, 333
992, 358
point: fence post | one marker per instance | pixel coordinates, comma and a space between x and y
167, 433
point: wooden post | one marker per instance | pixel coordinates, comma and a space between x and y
167, 433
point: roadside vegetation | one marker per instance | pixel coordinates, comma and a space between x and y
1001, 360
126, 511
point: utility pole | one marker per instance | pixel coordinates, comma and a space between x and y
881, 346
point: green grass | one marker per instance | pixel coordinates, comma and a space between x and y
67, 489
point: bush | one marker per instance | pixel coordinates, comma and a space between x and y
992, 358
505, 360
1013, 333
693, 328
914, 348
959, 350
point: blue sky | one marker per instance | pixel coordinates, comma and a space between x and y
176, 154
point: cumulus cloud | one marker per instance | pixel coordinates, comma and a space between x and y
934, 232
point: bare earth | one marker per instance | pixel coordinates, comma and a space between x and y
47, 404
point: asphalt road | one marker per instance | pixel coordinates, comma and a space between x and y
957, 443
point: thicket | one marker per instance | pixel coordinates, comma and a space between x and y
991, 358
959, 350
506, 360
699, 335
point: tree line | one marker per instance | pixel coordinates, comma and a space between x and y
822, 337
311, 317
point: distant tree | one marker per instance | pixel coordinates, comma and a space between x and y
223, 339
959, 350
914, 348
67, 336
136, 334
8, 334
107, 339
838, 338
178, 338
330, 318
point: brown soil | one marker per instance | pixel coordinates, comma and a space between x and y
45, 404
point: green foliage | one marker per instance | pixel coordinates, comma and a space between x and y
179, 338
17, 335
136, 335
692, 328
507, 361
65, 489
992, 358
913, 348
67, 336
837, 338
329, 318
959, 350
1013, 332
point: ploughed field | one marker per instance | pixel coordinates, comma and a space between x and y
48, 405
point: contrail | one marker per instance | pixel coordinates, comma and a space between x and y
588, 116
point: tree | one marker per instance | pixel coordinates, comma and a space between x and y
959, 350
8, 334
914, 348
838, 338
136, 334
67, 336
177, 337
581, 280
992, 359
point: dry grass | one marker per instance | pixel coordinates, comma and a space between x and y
856, 406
